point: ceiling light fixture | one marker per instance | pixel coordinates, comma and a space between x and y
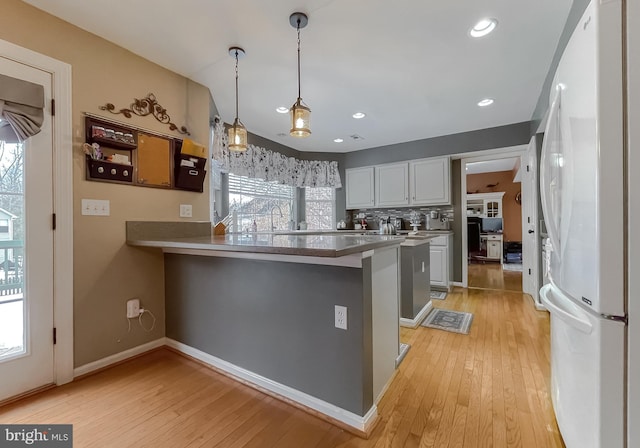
483, 27
338, 140
300, 113
282, 110
485, 102
359, 115
237, 131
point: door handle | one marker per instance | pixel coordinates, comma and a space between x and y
531, 231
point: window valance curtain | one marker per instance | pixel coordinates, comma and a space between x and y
262, 163
21, 109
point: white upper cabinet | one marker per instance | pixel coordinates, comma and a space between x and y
359, 187
485, 205
430, 181
392, 184
416, 182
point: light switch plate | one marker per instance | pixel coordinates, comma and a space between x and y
96, 207
186, 211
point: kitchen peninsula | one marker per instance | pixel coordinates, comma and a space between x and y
262, 308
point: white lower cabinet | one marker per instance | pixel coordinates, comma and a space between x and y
439, 265
441, 260
493, 244
494, 250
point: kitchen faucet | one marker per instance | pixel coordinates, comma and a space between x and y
281, 215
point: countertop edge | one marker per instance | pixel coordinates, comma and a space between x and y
330, 253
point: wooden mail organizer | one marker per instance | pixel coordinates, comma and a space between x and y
141, 158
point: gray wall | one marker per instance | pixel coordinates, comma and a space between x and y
264, 316
575, 13
491, 138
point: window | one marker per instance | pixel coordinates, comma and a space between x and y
320, 208
270, 205
4, 226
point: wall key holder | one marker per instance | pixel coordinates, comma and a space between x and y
147, 106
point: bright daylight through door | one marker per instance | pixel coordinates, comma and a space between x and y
12, 322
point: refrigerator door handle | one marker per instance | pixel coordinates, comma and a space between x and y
571, 314
552, 132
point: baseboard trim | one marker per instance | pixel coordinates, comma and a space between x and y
358, 425
413, 323
109, 361
460, 284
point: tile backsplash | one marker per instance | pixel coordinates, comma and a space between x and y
374, 215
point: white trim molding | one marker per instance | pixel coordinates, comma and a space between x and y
118, 357
62, 201
413, 323
361, 424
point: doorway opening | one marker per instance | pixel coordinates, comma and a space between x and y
494, 224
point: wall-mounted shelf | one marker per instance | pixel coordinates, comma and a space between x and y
155, 160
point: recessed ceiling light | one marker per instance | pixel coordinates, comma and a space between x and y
338, 140
359, 115
483, 27
282, 110
485, 102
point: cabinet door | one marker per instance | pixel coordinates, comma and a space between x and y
494, 249
430, 182
359, 187
492, 208
392, 185
439, 266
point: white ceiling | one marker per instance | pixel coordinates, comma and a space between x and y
409, 64
492, 166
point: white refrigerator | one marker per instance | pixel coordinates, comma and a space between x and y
582, 186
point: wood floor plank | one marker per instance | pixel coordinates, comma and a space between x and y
487, 388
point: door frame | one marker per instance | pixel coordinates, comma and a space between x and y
477, 156
532, 205
62, 202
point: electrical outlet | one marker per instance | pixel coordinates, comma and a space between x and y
185, 211
133, 308
341, 317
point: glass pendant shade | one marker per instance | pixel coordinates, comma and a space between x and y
300, 120
237, 136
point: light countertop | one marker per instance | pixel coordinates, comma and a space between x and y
318, 245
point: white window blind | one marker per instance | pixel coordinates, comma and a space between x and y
269, 204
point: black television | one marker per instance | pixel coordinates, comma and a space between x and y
491, 225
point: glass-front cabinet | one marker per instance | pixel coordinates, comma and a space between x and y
485, 205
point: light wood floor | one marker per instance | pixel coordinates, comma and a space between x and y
493, 276
488, 388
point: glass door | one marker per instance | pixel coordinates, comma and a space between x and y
26, 251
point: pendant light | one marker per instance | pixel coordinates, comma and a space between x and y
300, 113
237, 131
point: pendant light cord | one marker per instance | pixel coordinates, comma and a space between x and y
298, 28
236, 85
